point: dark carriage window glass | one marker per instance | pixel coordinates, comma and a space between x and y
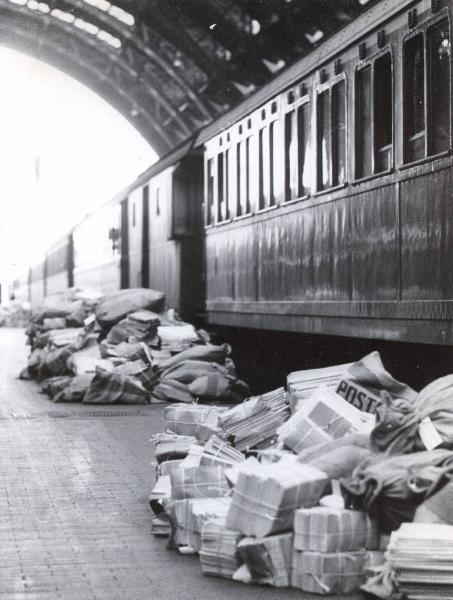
220, 189
364, 131
210, 191
271, 163
438, 45
290, 156
338, 133
247, 177
239, 177
414, 98
261, 200
303, 134
158, 194
324, 141
227, 184
383, 116
133, 214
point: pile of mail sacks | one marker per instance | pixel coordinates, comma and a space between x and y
127, 348
304, 487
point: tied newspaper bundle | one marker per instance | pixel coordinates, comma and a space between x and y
328, 573
170, 446
141, 325
267, 561
325, 416
327, 529
189, 516
256, 420
218, 553
302, 384
421, 557
264, 499
193, 420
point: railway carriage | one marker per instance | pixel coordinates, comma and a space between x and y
328, 195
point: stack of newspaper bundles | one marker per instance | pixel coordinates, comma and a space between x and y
256, 420
218, 553
264, 499
268, 559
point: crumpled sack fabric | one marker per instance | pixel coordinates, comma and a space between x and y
74, 390
189, 370
438, 508
397, 429
390, 488
339, 462
55, 362
207, 352
114, 307
217, 386
53, 385
111, 388
172, 391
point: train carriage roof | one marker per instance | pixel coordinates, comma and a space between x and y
173, 66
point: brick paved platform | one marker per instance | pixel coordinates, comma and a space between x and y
74, 513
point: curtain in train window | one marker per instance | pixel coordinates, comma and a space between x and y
414, 98
243, 178
303, 134
272, 162
210, 194
220, 189
364, 123
239, 177
247, 194
290, 156
338, 133
324, 140
383, 115
261, 192
438, 47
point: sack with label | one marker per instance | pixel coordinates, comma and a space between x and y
422, 424
366, 379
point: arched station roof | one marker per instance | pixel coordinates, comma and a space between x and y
172, 66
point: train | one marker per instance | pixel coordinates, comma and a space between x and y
319, 205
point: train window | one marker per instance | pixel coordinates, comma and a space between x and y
243, 178
414, 96
133, 214
239, 177
364, 123
157, 202
438, 43
303, 136
210, 193
427, 92
220, 189
324, 140
290, 156
227, 184
383, 113
266, 158
272, 163
339, 133
246, 196
261, 199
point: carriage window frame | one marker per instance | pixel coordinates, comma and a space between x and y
293, 109
371, 63
423, 29
268, 133
243, 141
319, 89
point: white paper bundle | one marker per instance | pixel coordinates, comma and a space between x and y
193, 420
268, 559
198, 482
218, 554
256, 420
325, 416
328, 573
202, 510
166, 467
302, 384
218, 452
264, 499
329, 530
171, 446
421, 557
189, 516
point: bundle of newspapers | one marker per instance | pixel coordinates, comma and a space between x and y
218, 552
421, 557
266, 560
196, 420
256, 420
264, 499
190, 515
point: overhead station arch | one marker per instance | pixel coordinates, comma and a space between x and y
171, 66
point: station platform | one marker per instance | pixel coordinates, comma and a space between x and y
75, 522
